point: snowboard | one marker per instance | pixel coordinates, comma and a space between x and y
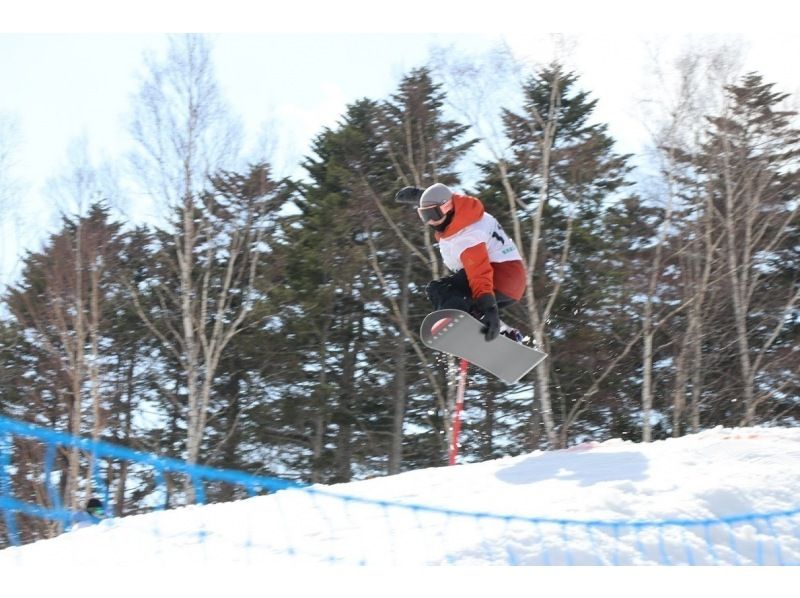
458, 333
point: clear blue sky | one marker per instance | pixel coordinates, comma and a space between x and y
69, 85
60, 86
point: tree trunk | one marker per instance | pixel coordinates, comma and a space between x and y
127, 414
737, 277
76, 370
346, 408
400, 384
647, 382
679, 391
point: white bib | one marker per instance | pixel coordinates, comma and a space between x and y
486, 230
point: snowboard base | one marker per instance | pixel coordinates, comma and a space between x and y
457, 333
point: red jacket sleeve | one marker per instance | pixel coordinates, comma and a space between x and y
479, 270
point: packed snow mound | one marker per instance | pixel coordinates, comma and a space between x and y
572, 506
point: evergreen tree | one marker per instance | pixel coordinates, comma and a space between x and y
61, 311
339, 319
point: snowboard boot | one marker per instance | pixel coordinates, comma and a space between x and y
512, 333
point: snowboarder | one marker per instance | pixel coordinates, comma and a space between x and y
92, 515
488, 273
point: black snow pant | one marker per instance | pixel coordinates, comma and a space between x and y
453, 292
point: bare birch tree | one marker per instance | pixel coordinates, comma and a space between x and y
184, 133
669, 138
741, 181
754, 161
539, 168
683, 96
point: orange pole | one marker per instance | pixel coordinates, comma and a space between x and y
462, 387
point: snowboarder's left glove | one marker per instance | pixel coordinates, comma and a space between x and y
487, 305
409, 195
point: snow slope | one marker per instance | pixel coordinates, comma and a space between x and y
719, 473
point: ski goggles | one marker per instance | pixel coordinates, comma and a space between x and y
435, 212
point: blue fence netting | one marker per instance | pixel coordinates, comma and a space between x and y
287, 519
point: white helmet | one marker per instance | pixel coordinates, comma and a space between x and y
435, 202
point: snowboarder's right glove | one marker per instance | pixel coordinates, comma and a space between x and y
409, 195
487, 305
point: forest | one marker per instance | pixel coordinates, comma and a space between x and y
270, 324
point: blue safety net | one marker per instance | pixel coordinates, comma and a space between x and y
288, 520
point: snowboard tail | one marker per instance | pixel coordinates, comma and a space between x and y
457, 333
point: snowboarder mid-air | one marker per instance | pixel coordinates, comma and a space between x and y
488, 273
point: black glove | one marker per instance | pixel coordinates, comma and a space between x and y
487, 305
409, 195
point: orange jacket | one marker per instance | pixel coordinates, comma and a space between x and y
478, 231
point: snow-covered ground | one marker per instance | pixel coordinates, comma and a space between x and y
563, 507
